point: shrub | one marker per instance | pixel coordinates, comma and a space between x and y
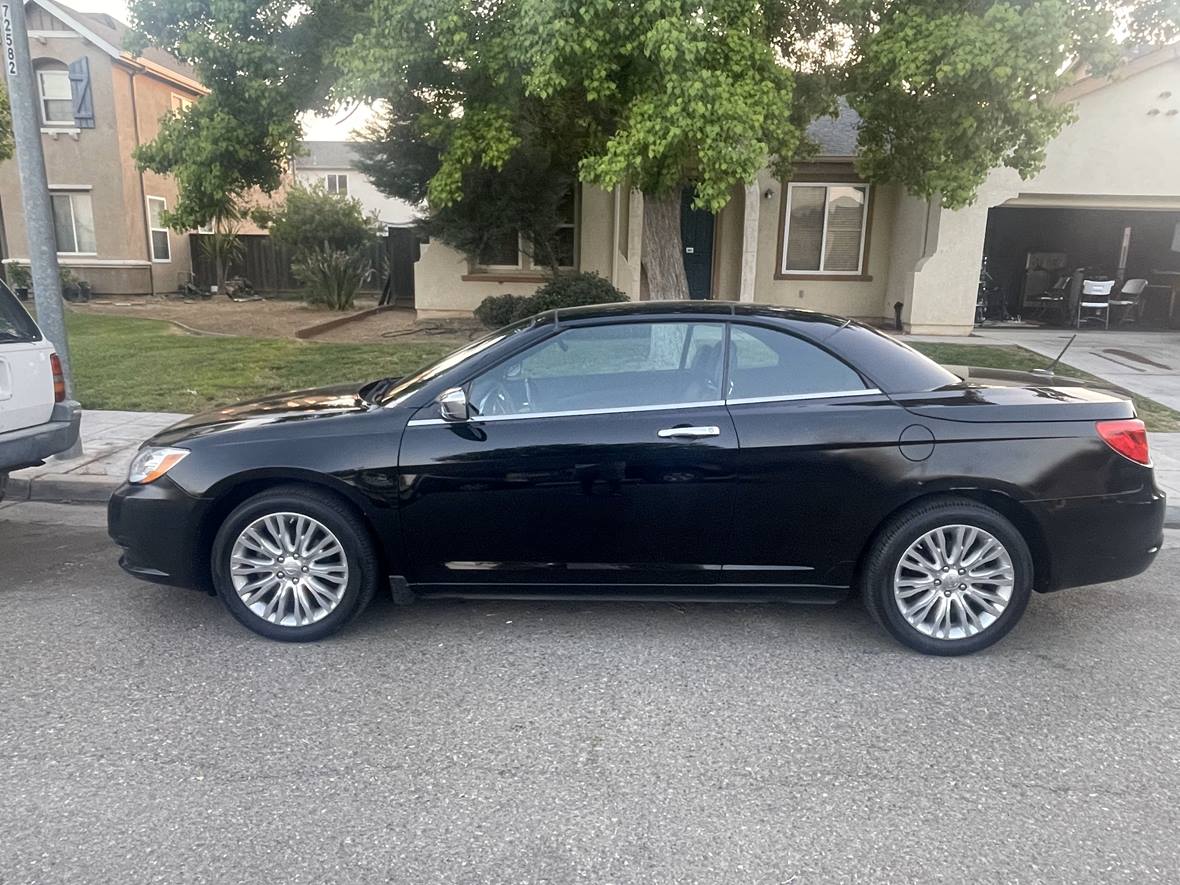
20, 276
311, 218
574, 290
332, 277
500, 310
566, 290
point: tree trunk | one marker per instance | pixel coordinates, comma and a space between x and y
663, 250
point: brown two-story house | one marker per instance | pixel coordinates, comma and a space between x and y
96, 103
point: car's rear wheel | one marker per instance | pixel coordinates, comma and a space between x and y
294, 564
949, 577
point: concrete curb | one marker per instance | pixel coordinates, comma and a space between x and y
62, 489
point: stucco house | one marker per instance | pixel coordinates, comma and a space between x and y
333, 165
97, 102
826, 240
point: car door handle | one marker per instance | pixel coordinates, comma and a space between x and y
688, 432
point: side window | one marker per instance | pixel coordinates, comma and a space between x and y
608, 367
766, 363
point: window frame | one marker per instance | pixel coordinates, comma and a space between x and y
520, 258
827, 182
339, 176
180, 103
870, 388
42, 100
152, 230
71, 193
525, 270
612, 410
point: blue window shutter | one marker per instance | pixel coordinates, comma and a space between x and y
81, 94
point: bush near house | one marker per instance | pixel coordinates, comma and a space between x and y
565, 290
72, 288
330, 237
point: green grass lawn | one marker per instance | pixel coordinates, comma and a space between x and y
150, 365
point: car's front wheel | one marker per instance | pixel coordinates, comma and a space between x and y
949, 577
294, 564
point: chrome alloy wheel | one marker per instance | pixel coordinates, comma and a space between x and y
288, 569
953, 582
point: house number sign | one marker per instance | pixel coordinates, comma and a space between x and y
9, 48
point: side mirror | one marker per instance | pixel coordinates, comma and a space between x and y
452, 405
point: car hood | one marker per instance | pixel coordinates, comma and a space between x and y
298, 405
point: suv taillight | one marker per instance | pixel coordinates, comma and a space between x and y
1128, 438
59, 379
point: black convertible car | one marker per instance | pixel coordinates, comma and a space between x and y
659, 450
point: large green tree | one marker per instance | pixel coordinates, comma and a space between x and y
655, 94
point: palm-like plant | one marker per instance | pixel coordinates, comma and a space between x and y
224, 246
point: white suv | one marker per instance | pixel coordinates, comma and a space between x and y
36, 420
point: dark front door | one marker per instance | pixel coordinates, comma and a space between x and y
696, 233
602, 455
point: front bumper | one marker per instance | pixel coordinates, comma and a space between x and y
1101, 538
159, 528
31, 445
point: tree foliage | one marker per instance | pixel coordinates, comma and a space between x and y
311, 218
5, 123
658, 94
524, 196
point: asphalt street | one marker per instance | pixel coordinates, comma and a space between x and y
145, 736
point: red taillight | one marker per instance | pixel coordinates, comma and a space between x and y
1128, 438
59, 379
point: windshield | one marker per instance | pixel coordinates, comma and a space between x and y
15, 323
409, 384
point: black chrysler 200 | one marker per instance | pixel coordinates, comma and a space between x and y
659, 450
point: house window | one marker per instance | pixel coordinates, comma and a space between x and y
161, 247
567, 233
336, 183
510, 251
180, 104
825, 227
502, 251
57, 103
73, 223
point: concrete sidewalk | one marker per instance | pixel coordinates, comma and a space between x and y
109, 442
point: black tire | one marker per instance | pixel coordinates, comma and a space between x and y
337, 516
3, 484
895, 538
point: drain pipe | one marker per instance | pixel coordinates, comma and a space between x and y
147, 231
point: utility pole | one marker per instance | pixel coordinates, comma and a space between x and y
30, 159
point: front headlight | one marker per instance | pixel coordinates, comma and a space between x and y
153, 462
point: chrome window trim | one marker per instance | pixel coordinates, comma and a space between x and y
871, 391
570, 413
574, 413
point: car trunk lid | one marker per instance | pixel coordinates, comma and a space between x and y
999, 395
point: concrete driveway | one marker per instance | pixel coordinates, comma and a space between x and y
146, 737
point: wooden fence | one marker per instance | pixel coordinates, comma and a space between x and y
268, 265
